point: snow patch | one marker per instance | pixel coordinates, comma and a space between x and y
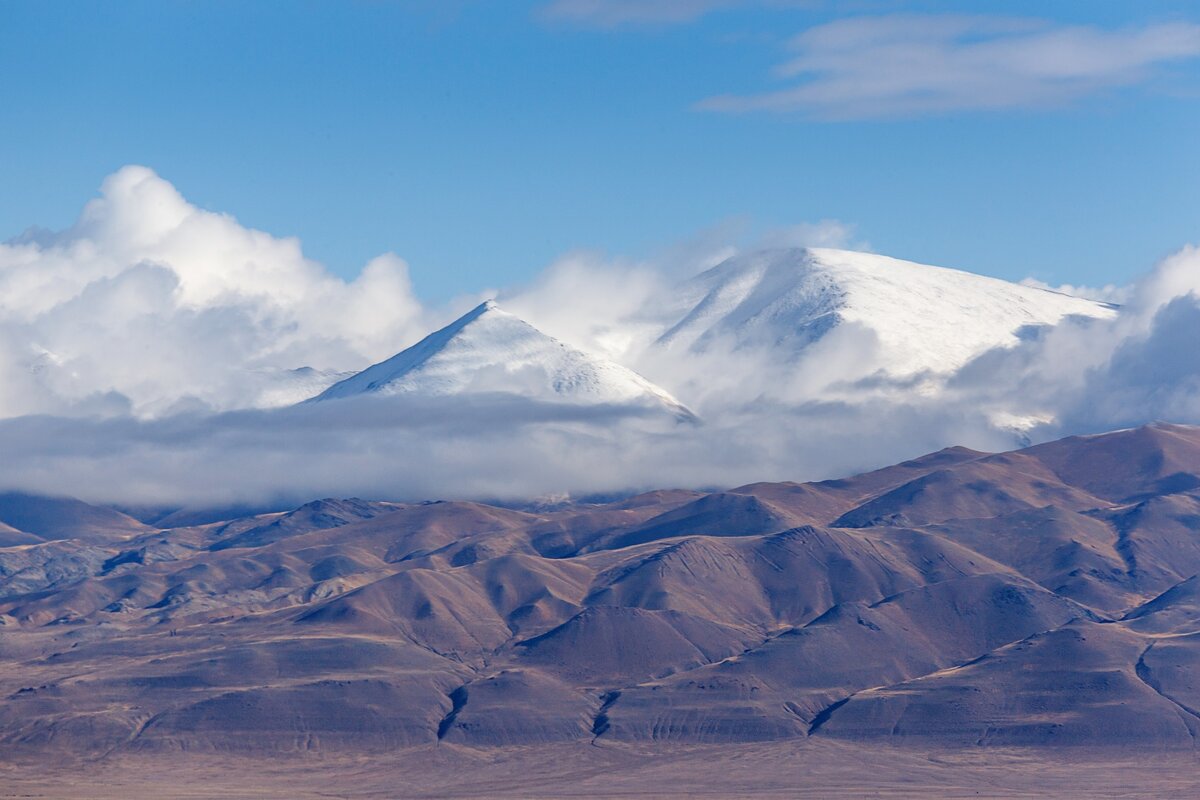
490, 350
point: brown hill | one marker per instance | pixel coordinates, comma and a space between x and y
1036, 598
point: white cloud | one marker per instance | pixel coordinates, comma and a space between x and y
590, 301
823, 233
616, 13
610, 14
453, 448
898, 66
1084, 378
153, 300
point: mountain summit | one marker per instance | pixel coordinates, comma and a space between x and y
491, 350
924, 318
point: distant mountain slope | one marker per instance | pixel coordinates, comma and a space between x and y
490, 350
10, 536
1040, 598
924, 318
64, 518
1127, 465
314, 516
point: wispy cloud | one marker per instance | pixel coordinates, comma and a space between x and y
823, 233
903, 66
618, 13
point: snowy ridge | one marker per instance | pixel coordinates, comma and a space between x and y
490, 350
925, 318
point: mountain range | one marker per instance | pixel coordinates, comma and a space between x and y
1045, 597
767, 309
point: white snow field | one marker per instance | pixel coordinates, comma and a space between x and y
925, 318
491, 350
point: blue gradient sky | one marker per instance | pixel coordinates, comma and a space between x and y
479, 140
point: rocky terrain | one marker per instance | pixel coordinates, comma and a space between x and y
1042, 601
1044, 598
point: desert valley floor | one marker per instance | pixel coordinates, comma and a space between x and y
773, 770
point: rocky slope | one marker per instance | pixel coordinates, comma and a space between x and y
1044, 597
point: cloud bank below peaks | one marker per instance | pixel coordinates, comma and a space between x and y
148, 304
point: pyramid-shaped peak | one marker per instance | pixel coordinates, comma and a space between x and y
481, 309
486, 309
489, 350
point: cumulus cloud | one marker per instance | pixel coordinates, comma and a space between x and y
1091, 376
900, 66
150, 303
1155, 375
1143, 366
594, 301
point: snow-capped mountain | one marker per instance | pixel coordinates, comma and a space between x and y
924, 318
857, 315
490, 350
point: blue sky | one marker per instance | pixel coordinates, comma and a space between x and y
480, 140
